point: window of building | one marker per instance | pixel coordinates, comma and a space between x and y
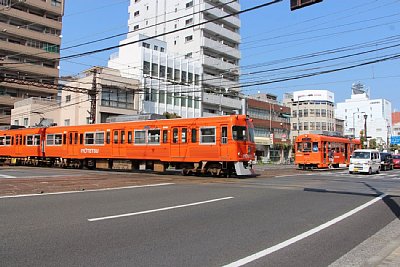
16, 122
156, 47
323, 112
56, 2
68, 98
162, 49
188, 38
189, 4
146, 45
136, 27
26, 120
318, 113
305, 113
67, 122
189, 21
146, 67
136, 13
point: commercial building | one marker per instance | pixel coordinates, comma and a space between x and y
312, 112
30, 38
169, 83
214, 44
360, 112
100, 90
271, 127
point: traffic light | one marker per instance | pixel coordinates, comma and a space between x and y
296, 4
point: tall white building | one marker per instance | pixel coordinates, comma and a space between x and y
378, 114
213, 44
169, 83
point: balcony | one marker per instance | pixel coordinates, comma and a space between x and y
219, 82
29, 34
218, 63
235, 6
47, 6
221, 48
33, 18
30, 68
218, 99
218, 13
27, 50
220, 30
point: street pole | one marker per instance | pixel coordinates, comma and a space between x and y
365, 129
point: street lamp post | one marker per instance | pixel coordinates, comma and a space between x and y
365, 129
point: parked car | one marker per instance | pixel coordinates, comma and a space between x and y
396, 161
386, 161
365, 160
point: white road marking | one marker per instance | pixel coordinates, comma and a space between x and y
156, 210
299, 237
89, 190
7, 176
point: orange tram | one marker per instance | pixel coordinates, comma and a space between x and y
322, 151
219, 146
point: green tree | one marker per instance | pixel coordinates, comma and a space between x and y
372, 143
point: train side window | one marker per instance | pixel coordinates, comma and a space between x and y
81, 139
99, 138
108, 138
12, 140
129, 137
89, 138
315, 147
76, 138
8, 140
25, 140
165, 136
29, 140
175, 135
194, 135
70, 138
224, 135
207, 135
64, 139
153, 136
50, 139
140, 137
122, 137
58, 139
184, 135
115, 137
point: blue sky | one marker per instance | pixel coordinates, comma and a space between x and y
275, 37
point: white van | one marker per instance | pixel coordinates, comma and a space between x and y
365, 160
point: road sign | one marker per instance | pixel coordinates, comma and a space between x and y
395, 140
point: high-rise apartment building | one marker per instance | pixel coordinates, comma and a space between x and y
214, 44
30, 38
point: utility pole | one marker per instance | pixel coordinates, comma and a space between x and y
92, 96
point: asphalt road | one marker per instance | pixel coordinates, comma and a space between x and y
288, 221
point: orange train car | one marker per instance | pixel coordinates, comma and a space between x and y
322, 151
221, 145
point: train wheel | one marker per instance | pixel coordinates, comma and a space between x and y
214, 169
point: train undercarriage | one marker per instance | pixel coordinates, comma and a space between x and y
202, 168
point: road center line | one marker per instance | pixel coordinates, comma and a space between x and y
156, 210
7, 176
299, 237
89, 190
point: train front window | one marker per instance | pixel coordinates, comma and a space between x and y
315, 147
239, 133
304, 147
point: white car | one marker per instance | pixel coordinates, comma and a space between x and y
365, 160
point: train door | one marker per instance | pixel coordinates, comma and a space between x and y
179, 142
72, 143
18, 144
224, 148
118, 143
324, 152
